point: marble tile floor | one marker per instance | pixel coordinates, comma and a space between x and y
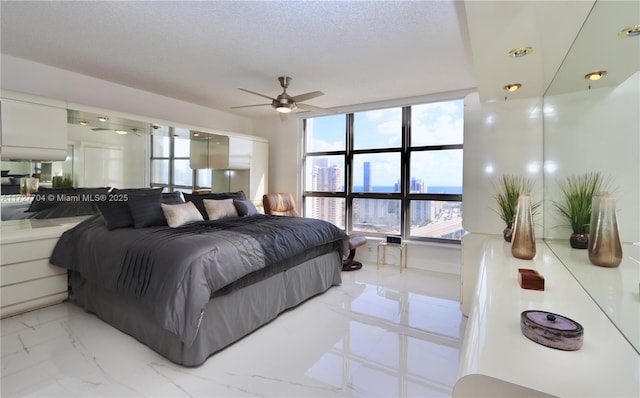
379, 334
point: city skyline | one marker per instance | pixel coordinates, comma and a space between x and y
382, 215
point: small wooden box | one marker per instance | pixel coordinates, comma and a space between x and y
530, 279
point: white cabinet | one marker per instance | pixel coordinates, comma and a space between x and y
240, 153
208, 151
497, 360
33, 131
27, 280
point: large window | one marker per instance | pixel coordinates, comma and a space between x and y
395, 171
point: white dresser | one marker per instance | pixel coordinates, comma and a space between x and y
27, 280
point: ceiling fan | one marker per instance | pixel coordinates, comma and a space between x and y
284, 103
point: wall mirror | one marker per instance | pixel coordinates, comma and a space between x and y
111, 151
593, 126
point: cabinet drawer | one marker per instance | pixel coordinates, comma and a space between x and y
31, 305
22, 272
34, 289
27, 251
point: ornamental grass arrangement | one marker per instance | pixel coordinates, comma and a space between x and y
578, 192
509, 188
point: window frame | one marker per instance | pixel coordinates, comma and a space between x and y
404, 195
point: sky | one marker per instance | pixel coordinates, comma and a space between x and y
436, 123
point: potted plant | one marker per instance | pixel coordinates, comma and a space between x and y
509, 188
578, 192
65, 181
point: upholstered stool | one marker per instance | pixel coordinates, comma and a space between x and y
355, 240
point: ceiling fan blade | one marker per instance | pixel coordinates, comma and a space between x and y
312, 108
248, 106
254, 93
307, 96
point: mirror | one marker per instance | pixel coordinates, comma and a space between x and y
593, 126
109, 151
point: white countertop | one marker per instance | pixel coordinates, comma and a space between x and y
12, 231
496, 353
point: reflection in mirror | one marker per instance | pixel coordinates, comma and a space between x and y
592, 126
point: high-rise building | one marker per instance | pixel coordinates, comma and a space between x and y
366, 183
325, 178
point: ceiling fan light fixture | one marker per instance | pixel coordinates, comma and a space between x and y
284, 108
520, 52
597, 75
512, 87
631, 31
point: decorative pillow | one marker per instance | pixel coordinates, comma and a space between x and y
115, 210
181, 214
222, 208
245, 208
198, 199
7, 180
146, 210
172, 198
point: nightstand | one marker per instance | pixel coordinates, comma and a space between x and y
400, 247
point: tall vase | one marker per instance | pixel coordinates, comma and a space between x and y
595, 210
604, 248
523, 241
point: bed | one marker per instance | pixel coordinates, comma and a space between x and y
188, 291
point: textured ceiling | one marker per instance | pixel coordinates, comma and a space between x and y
202, 52
356, 52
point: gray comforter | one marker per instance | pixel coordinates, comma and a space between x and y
175, 271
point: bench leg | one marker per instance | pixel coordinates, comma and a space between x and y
349, 264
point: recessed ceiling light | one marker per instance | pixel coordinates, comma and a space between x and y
631, 31
520, 52
83, 122
103, 118
512, 87
597, 75
121, 132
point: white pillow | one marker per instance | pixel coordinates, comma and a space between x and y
217, 209
181, 214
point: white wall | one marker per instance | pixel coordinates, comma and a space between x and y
502, 137
46, 81
285, 151
595, 131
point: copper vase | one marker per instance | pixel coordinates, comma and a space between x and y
523, 241
604, 248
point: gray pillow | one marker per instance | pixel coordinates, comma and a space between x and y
245, 208
146, 211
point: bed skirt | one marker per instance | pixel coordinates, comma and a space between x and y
226, 318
